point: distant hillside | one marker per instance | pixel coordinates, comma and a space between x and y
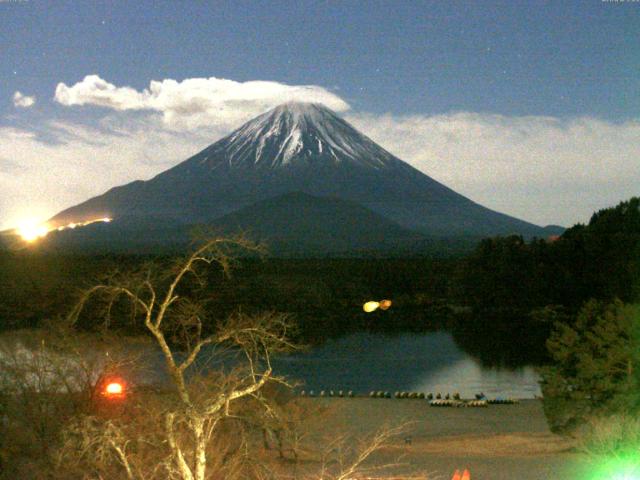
301, 223
290, 225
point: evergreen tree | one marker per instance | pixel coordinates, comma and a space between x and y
595, 367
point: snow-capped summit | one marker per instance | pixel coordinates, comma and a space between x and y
296, 133
296, 147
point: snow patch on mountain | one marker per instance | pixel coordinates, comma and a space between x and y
293, 133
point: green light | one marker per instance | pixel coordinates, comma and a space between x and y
625, 467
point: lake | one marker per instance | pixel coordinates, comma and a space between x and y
421, 362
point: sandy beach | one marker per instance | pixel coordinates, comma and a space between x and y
499, 442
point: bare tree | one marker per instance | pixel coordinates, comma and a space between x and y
214, 418
173, 318
47, 377
346, 458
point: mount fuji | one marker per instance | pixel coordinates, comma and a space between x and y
296, 147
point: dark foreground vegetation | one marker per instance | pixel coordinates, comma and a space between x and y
507, 288
566, 303
579, 294
69, 410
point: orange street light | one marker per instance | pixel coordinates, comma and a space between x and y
114, 389
373, 306
385, 304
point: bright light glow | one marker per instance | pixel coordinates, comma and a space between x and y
31, 230
624, 476
373, 306
370, 306
623, 466
385, 304
114, 388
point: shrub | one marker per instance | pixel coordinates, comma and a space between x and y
595, 365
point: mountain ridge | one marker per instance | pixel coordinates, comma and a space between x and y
306, 148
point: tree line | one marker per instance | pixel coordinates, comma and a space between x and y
579, 294
598, 260
506, 288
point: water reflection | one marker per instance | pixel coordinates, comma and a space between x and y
467, 377
427, 362
422, 362
502, 340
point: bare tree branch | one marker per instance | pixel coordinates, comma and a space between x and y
190, 423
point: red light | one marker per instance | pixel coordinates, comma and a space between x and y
114, 389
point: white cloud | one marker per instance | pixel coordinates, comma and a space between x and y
23, 101
38, 179
195, 102
542, 169
93, 90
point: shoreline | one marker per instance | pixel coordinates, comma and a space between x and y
495, 442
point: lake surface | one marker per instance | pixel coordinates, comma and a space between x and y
423, 362
415, 362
